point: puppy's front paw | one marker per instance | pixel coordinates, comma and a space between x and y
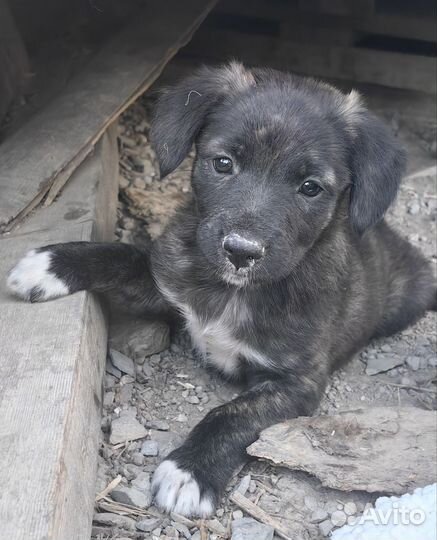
177, 490
32, 280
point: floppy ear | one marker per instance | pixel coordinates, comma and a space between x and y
181, 111
377, 164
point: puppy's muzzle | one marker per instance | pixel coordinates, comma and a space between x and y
243, 252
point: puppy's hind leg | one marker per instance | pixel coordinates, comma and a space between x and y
121, 270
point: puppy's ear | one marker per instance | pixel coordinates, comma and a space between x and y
181, 111
377, 163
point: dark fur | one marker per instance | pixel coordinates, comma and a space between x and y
334, 275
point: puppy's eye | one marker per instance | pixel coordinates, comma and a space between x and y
310, 188
223, 165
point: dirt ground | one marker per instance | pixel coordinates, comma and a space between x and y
164, 393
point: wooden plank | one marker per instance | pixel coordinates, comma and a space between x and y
14, 64
390, 69
52, 362
396, 70
287, 13
32, 158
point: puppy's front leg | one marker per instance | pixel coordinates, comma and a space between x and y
192, 478
61, 269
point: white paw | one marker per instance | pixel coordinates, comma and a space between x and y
177, 491
31, 280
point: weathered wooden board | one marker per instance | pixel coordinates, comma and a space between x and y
52, 359
288, 13
49, 144
383, 449
14, 65
396, 70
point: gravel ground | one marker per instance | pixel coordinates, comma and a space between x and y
156, 390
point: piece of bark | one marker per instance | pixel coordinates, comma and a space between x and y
390, 450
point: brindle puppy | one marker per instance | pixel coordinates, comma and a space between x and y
282, 266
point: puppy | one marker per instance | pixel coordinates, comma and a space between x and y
282, 266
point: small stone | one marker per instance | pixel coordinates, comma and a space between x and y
413, 362
311, 503
149, 448
108, 399
112, 370
126, 428
123, 182
350, 508
194, 400
252, 486
237, 514
160, 425
215, 526
220, 512
167, 441
243, 486
182, 529
414, 207
132, 496
386, 348
171, 531
250, 529
382, 363
122, 362
319, 515
142, 481
148, 524
325, 527
137, 459
156, 533
114, 520
181, 418
139, 183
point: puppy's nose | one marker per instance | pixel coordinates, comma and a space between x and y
241, 251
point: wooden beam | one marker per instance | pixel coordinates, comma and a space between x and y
287, 13
14, 63
46, 147
52, 362
395, 70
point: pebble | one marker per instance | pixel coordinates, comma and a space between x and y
194, 400
160, 425
149, 448
237, 514
167, 441
181, 418
250, 529
132, 496
326, 527
311, 502
148, 524
137, 459
243, 486
114, 520
122, 362
182, 529
126, 428
383, 363
319, 515
142, 481
413, 362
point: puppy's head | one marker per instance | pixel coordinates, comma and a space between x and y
276, 156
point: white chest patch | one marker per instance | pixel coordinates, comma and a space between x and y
215, 338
